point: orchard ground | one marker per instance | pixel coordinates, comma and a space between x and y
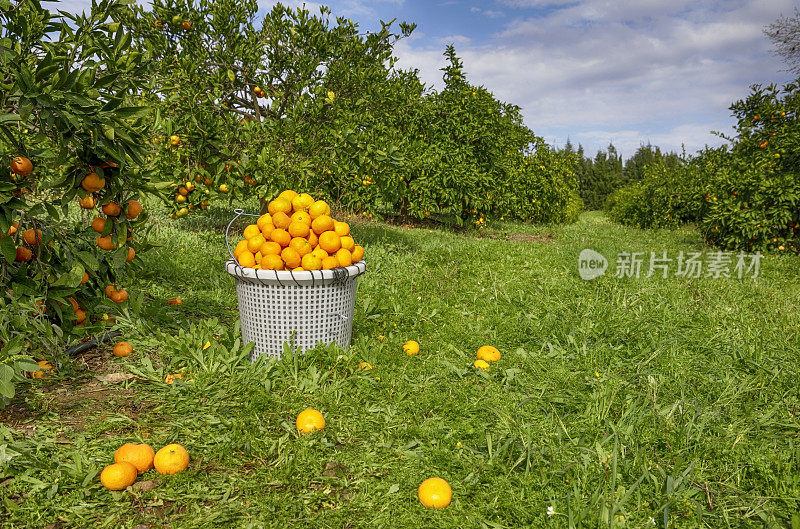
617, 402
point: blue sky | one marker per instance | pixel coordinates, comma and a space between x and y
594, 71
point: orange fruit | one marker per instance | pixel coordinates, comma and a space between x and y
281, 236
87, 202
174, 301
171, 459
483, 365
291, 257
169, 379
32, 237
281, 220
341, 228
364, 366
131, 254
488, 353
301, 216
309, 420
288, 195
133, 210
80, 316
358, 253
298, 229
120, 297
93, 183
44, 370
411, 348
263, 220
435, 493
106, 243
348, 243
301, 245
13, 228
118, 476
112, 209
259, 256
270, 248
21, 166
330, 242
330, 262
110, 291
247, 259
85, 278
23, 254
241, 246
320, 207
302, 202
311, 262
139, 455
319, 253
313, 240
251, 231
266, 231
344, 257
279, 205
99, 224
255, 243
272, 262
322, 224
123, 349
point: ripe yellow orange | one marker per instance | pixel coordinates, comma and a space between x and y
272, 262
263, 220
258, 256
174, 140
32, 237
309, 420
488, 353
266, 231
241, 246
483, 365
344, 257
133, 210
171, 459
251, 231
319, 253
270, 248
21, 166
281, 236
298, 269
93, 183
311, 262
139, 455
180, 199
330, 262
298, 229
255, 243
281, 220
87, 202
247, 259
279, 205
291, 257
313, 240
320, 207
13, 228
348, 243
330, 242
302, 202
45, 369
301, 245
435, 493
302, 216
118, 476
288, 195
411, 348
358, 253
123, 349
112, 209
223, 188
341, 228
322, 224
99, 224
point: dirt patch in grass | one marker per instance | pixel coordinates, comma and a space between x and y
541, 238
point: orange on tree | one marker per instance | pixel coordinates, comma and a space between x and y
171, 459
411, 348
133, 210
330, 242
118, 476
106, 243
139, 455
32, 237
131, 254
99, 224
87, 202
309, 420
21, 166
112, 209
121, 296
488, 353
123, 349
85, 278
435, 493
224, 188
93, 183
80, 316
13, 228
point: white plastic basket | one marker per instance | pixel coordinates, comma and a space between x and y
302, 309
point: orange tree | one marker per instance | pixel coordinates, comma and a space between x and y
71, 132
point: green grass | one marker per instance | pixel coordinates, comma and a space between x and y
617, 402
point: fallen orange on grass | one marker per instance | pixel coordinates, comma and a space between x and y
171, 459
435, 493
118, 476
310, 420
139, 455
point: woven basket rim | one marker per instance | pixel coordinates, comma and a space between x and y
302, 278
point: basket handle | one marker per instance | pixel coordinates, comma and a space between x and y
239, 213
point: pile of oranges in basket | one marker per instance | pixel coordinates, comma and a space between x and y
297, 234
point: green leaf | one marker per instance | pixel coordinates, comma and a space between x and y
8, 249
